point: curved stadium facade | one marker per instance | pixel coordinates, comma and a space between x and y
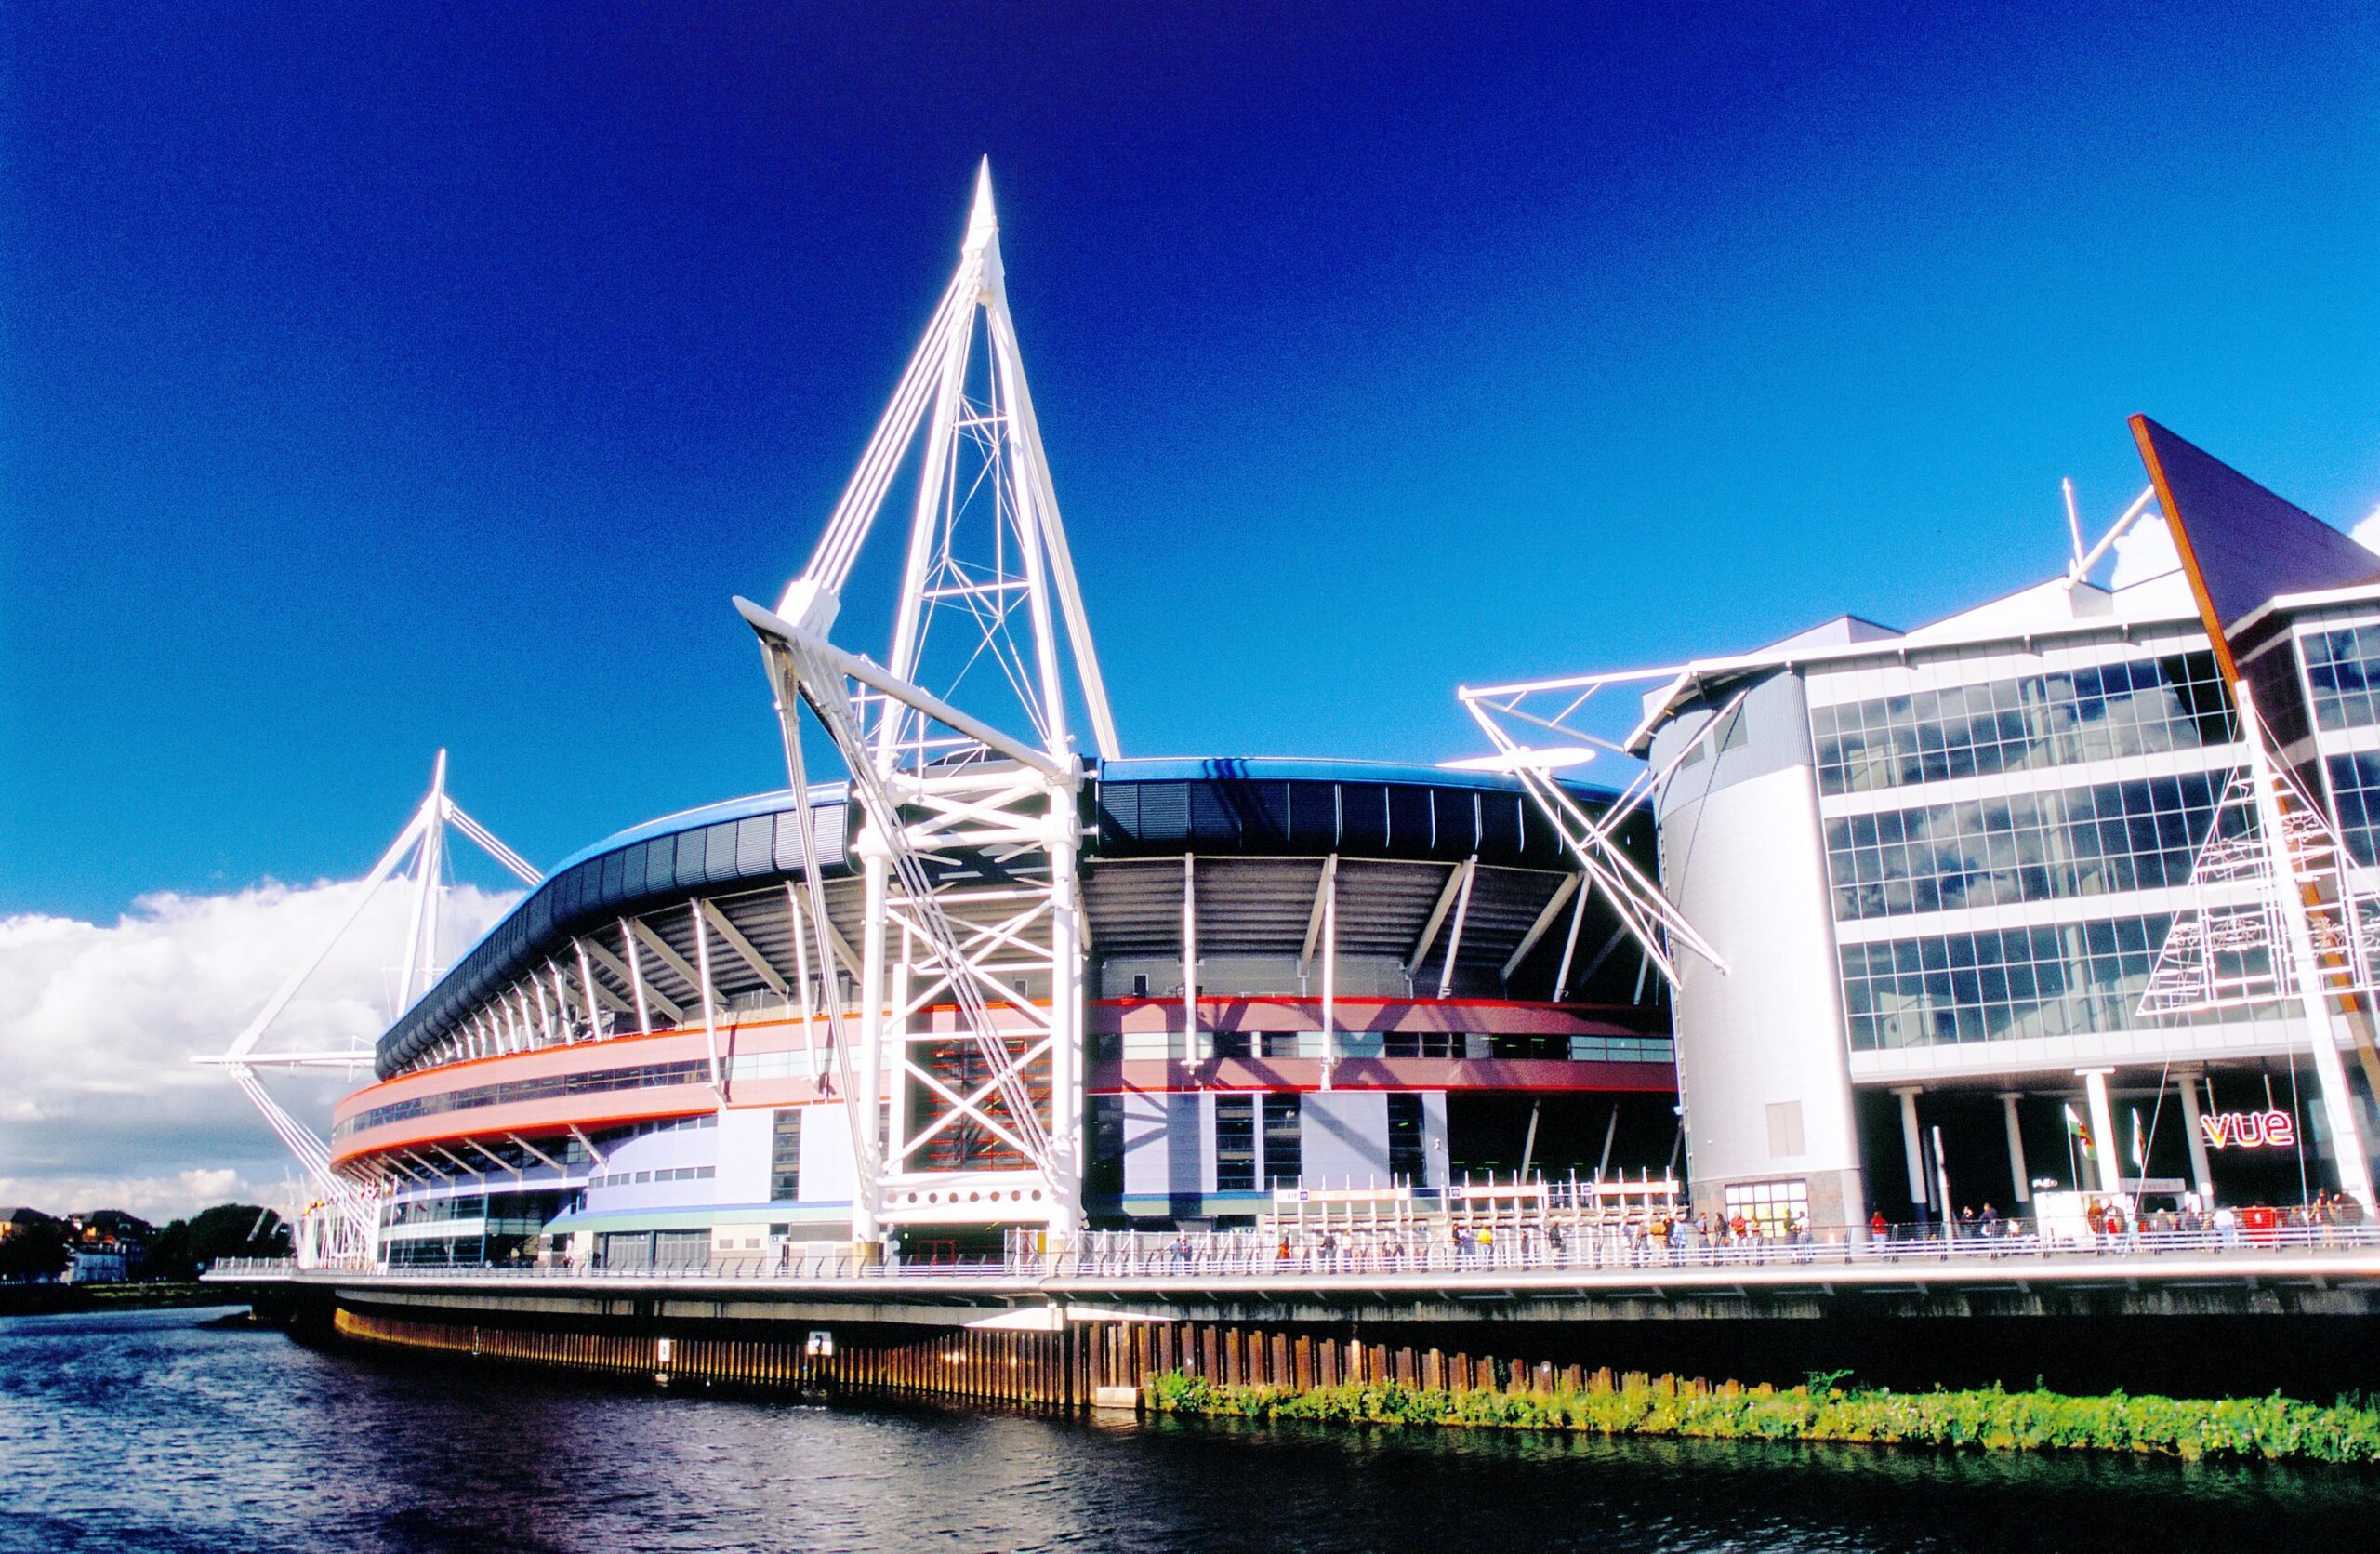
633, 1066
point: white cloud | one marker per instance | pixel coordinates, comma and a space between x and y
2145, 550
156, 1199
2367, 534
99, 1022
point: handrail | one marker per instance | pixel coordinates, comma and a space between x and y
1160, 1258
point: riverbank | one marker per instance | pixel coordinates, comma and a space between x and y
2192, 1429
32, 1300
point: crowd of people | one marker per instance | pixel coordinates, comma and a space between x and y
2112, 1224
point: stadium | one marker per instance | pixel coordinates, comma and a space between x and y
633, 1065
991, 982
1937, 912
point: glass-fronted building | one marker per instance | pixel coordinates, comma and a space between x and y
1940, 864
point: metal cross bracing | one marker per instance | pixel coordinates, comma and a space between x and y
970, 994
2229, 949
340, 1225
2276, 913
1549, 706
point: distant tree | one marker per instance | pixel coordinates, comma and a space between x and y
169, 1254
237, 1230
36, 1251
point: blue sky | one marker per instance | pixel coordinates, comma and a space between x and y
385, 376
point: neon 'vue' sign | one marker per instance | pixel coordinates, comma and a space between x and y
2250, 1130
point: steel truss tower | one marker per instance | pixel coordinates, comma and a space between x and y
341, 1228
961, 1064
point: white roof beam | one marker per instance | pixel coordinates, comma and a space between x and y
1545, 920
1454, 934
1314, 919
1456, 875
745, 947
652, 995
668, 956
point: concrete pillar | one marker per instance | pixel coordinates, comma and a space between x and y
1913, 1144
2201, 1177
2103, 1130
2017, 1171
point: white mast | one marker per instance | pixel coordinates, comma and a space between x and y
981, 1122
349, 1227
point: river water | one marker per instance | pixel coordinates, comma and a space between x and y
157, 1431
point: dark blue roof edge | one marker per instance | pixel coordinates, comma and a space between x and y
1295, 768
768, 802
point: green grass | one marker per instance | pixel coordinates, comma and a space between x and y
2235, 1427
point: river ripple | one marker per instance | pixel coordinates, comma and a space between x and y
158, 1431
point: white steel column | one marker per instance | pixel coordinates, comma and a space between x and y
801, 971
2017, 1171
587, 988
710, 1003
421, 931
1068, 1036
2201, 1173
1570, 944
868, 1202
636, 979
1913, 1144
2107, 1162
1189, 960
898, 1075
1330, 968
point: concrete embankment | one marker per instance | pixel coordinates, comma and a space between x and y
1194, 1368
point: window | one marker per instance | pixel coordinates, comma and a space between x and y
2114, 836
1234, 1143
785, 1156
544, 1087
2344, 668
1773, 1207
1105, 1177
2058, 980
2045, 720
2355, 793
1408, 1159
1284, 1148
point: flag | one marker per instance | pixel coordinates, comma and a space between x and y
2074, 1125
2140, 1150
